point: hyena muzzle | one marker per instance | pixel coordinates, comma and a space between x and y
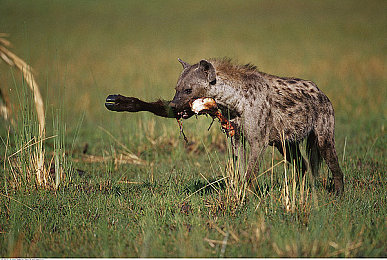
264, 110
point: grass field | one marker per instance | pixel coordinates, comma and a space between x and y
107, 206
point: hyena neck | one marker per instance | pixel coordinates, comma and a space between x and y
228, 96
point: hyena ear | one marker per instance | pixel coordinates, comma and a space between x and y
209, 70
185, 64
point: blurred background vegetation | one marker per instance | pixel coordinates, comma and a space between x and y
89, 49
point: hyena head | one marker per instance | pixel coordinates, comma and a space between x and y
193, 83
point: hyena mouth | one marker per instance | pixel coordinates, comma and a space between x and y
199, 106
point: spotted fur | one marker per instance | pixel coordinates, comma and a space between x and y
266, 109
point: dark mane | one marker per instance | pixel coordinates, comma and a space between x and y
226, 66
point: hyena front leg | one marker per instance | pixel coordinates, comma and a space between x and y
257, 147
256, 129
238, 147
253, 161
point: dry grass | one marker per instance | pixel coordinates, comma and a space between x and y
236, 184
116, 158
35, 151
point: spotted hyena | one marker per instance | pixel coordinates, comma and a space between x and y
264, 110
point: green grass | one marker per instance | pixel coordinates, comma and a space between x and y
81, 52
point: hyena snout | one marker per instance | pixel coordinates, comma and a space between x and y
180, 103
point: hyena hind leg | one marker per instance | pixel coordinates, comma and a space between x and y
326, 146
293, 155
313, 153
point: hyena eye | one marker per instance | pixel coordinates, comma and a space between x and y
188, 91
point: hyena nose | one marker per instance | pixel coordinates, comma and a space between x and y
174, 103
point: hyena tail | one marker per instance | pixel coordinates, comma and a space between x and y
313, 153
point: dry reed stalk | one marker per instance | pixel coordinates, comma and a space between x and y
285, 190
37, 157
13, 60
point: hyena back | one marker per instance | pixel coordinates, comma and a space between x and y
264, 109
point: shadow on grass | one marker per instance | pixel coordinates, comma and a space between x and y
202, 186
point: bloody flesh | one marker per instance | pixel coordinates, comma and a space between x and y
227, 127
208, 106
